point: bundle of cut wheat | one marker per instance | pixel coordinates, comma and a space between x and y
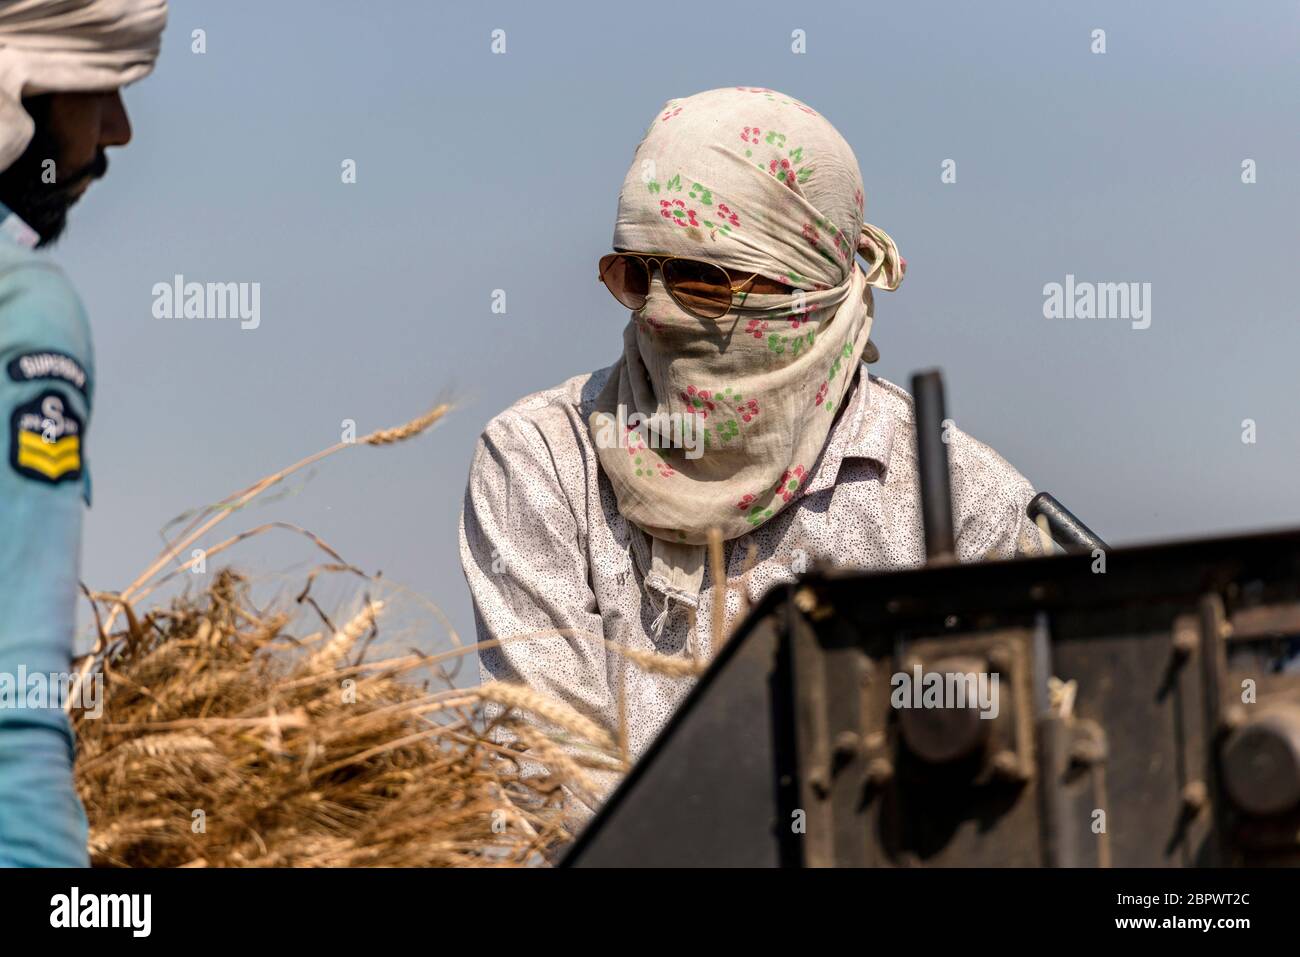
227, 737
226, 740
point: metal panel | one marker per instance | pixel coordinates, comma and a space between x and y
704, 794
793, 721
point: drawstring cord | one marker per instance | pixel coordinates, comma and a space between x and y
657, 626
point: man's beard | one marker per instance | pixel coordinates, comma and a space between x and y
44, 206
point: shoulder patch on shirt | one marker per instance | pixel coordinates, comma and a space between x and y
48, 365
45, 439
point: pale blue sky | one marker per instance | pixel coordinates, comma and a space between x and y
478, 172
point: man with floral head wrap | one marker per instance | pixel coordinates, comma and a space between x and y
740, 403
62, 64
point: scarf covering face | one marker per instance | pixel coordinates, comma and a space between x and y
756, 182
70, 46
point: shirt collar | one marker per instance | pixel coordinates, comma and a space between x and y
13, 227
865, 430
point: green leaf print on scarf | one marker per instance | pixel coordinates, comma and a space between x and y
787, 168
778, 343
846, 351
706, 402
720, 219
646, 463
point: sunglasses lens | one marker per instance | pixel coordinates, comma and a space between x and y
626, 277
700, 287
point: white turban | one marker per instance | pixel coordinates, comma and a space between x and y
69, 46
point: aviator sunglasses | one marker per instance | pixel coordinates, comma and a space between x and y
703, 289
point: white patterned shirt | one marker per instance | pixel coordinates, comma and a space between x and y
553, 567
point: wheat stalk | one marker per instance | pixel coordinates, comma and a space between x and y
558, 713
344, 638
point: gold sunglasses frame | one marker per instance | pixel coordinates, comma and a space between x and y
647, 258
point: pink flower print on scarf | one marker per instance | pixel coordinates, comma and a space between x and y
782, 170
814, 237
675, 210
698, 400
791, 479
646, 464
799, 314
755, 514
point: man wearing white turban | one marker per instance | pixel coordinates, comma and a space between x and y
62, 65
740, 403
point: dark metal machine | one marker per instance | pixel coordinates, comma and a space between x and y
1146, 712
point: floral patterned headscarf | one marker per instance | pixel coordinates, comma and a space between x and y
756, 182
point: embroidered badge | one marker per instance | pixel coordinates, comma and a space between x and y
48, 365
45, 440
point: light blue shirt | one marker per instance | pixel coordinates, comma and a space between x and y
46, 378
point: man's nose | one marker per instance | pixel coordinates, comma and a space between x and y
114, 125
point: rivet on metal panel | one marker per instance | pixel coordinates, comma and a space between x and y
820, 782
1087, 743
880, 771
1006, 765
1194, 796
847, 745
1000, 658
1234, 716
808, 602
1087, 752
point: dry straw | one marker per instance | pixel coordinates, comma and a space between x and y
228, 738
